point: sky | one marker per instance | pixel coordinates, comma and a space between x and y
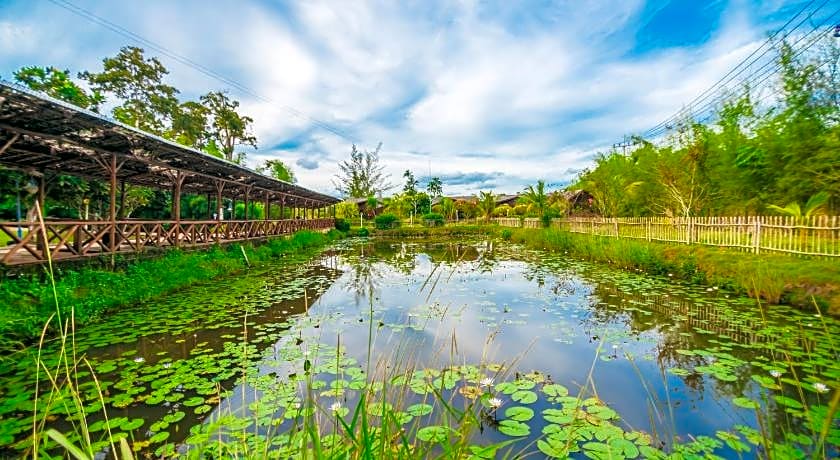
486, 95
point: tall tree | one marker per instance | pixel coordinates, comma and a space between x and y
189, 125
410, 191
58, 84
147, 102
228, 128
362, 176
435, 187
278, 170
535, 198
486, 204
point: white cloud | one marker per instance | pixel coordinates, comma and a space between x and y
535, 91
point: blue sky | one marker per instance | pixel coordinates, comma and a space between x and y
485, 94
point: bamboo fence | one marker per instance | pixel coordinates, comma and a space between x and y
806, 236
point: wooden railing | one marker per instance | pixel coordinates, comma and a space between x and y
812, 236
79, 239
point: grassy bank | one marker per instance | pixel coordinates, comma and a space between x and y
26, 303
773, 277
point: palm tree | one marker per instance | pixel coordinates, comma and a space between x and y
535, 198
447, 208
486, 204
814, 207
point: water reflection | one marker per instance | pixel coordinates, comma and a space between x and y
669, 358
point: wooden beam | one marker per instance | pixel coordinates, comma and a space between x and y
9, 143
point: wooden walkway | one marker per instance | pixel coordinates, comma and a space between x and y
74, 240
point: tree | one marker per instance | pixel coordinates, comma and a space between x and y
227, 127
486, 204
147, 103
362, 176
435, 189
189, 125
535, 199
57, 83
410, 191
447, 208
816, 206
278, 170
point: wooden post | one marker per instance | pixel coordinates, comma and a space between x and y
220, 187
122, 200
112, 209
282, 206
247, 200
209, 207
178, 177
756, 234
267, 206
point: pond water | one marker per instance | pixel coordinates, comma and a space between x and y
657, 362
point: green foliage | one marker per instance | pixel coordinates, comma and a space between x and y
435, 187
386, 221
486, 204
278, 170
347, 210
227, 127
752, 158
362, 232
57, 83
342, 225
147, 102
361, 176
814, 207
433, 219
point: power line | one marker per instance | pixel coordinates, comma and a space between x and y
742, 66
760, 76
79, 11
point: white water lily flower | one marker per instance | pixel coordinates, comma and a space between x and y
821, 387
486, 381
495, 403
775, 373
139, 359
335, 407
167, 365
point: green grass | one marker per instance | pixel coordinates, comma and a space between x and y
774, 278
26, 303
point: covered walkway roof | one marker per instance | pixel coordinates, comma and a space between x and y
41, 135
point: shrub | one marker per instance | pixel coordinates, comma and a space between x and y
362, 231
433, 219
386, 221
506, 234
342, 225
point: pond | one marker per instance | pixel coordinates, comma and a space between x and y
543, 354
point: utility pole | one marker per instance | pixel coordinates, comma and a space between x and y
627, 142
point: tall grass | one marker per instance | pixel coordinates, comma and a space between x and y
772, 278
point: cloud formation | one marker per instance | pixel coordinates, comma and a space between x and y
481, 94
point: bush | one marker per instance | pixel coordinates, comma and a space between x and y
506, 234
386, 221
362, 231
433, 219
342, 225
